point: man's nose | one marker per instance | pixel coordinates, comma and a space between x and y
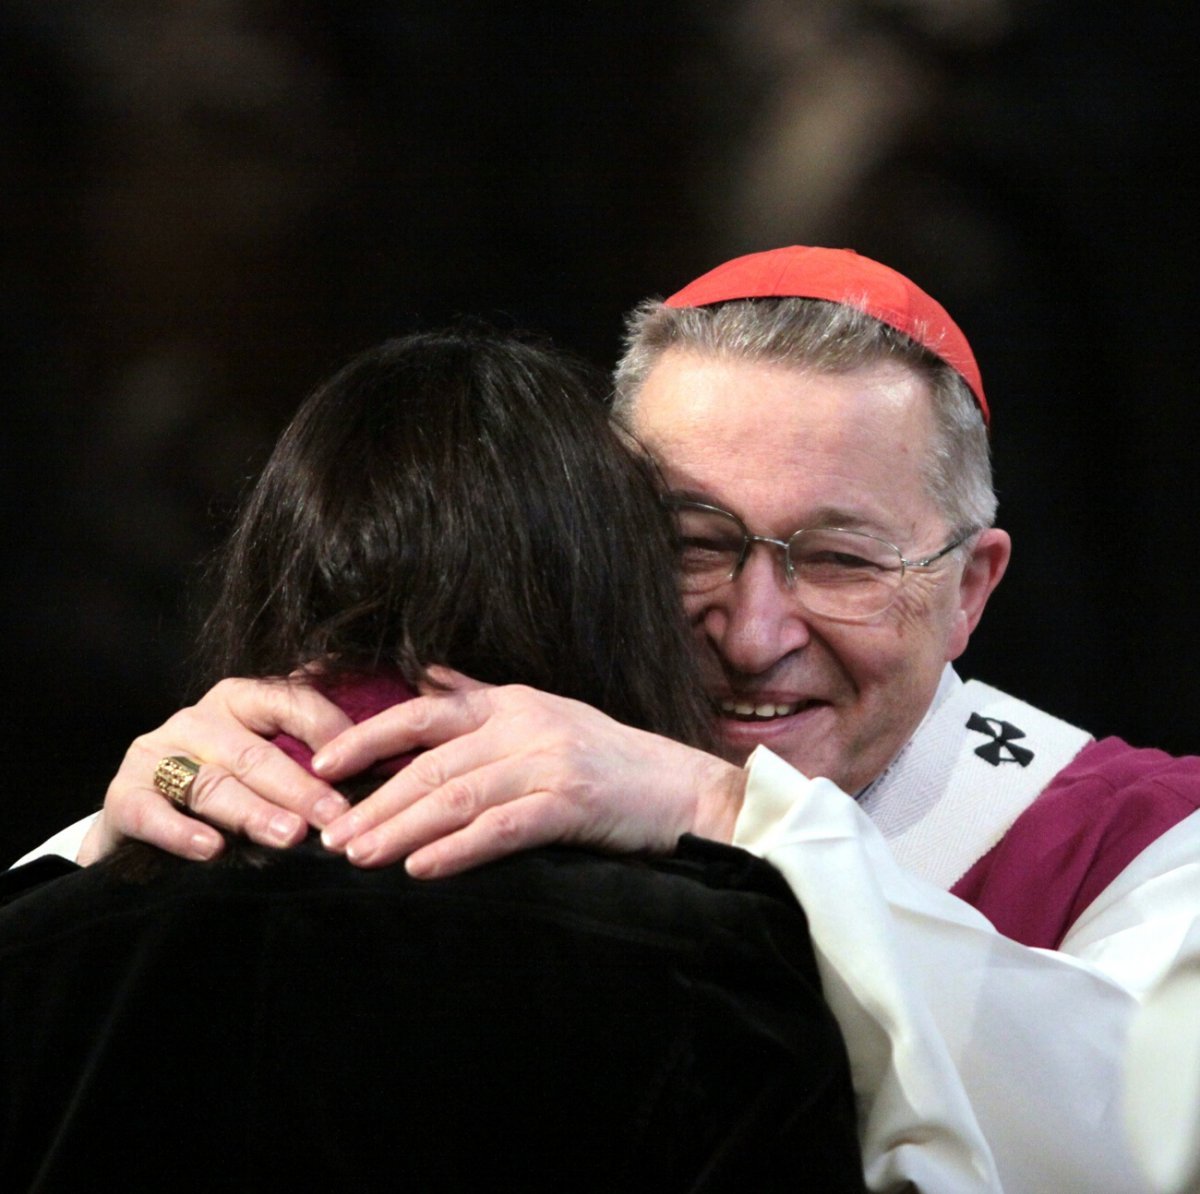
754, 620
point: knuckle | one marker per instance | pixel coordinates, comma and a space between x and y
207, 788
143, 742
223, 691
419, 714
430, 770
251, 757
178, 727
221, 800
143, 752
459, 799
530, 702
504, 826
513, 700
516, 692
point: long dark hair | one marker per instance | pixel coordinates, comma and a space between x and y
461, 497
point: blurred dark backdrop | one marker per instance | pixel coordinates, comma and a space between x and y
206, 207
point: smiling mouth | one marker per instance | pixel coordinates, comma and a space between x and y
759, 711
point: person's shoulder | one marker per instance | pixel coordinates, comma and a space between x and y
1113, 765
699, 869
22, 880
703, 891
726, 868
1100, 813
48, 899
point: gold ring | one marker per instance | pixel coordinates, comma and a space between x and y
174, 776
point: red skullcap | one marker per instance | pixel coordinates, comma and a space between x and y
841, 276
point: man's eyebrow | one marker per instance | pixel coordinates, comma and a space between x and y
695, 495
850, 520
821, 518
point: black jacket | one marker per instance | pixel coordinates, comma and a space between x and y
556, 1021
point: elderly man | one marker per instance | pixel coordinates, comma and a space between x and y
989, 890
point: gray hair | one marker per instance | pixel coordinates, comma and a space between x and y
831, 338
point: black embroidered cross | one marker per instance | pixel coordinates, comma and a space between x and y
1001, 735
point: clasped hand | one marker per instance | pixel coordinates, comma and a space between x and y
504, 769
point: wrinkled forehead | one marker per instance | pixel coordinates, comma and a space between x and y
778, 443
690, 391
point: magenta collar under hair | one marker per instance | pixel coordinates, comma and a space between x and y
841, 276
359, 697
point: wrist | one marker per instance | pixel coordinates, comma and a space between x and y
719, 801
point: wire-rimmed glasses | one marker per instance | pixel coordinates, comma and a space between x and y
835, 573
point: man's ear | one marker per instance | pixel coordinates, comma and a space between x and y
982, 572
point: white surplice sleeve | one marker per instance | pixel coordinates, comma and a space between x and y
979, 1063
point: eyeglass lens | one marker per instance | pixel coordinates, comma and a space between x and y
837, 573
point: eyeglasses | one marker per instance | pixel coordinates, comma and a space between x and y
835, 573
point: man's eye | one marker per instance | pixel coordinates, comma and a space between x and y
837, 567
709, 543
696, 553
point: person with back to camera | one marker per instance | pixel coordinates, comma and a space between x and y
990, 891
557, 1021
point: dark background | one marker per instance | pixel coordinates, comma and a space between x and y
207, 207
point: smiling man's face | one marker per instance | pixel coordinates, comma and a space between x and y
786, 449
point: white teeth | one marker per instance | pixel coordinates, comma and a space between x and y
762, 712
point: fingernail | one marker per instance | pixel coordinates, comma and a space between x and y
283, 828
204, 847
419, 867
329, 808
360, 851
323, 760
334, 837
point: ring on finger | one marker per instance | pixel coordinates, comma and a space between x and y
174, 777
